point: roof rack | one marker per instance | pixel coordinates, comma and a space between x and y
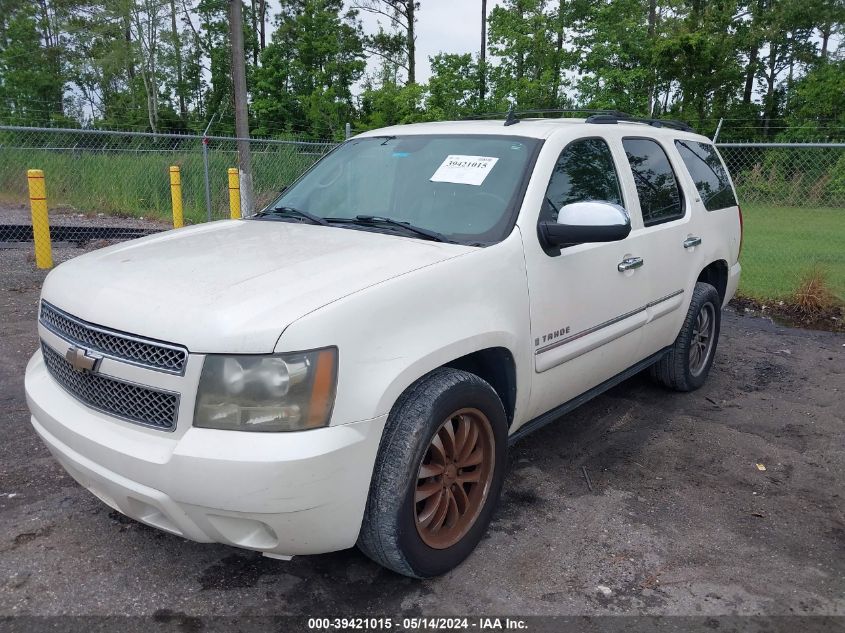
613, 119
596, 116
512, 113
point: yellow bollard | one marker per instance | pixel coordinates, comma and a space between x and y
234, 194
40, 220
176, 196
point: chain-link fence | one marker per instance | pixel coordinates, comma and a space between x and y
793, 201
789, 174
98, 180
115, 185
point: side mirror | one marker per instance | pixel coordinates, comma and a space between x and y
585, 222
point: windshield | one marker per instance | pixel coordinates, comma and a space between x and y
463, 187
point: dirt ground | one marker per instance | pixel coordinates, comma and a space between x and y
680, 520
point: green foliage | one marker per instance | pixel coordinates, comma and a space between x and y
523, 35
164, 65
31, 79
817, 108
799, 177
615, 55
129, 177
453, 87
391, 104
305, 77
803, 239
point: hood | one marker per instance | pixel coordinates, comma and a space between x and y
231, 286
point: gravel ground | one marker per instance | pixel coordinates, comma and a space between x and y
679, 520
65, 216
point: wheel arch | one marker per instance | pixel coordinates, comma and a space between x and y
496, 366
716, 274
490, 357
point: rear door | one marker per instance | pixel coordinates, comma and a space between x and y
668, 237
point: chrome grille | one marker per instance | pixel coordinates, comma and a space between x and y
152, 354
126, 400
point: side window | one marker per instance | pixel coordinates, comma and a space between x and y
584, 171
657, 187
708, 173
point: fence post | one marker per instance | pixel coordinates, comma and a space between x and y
234, 194
176, 196
348, 130
718, 129
40, 220
207, 182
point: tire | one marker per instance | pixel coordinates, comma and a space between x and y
683, 369
401, 533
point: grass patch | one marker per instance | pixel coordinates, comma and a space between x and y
782, 246
137, 183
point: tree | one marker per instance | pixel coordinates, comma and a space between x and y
384, 102
307, 72
401, 43
452, 89
700, 51
482, 62
817, 104
519, 34
31, 72
615, 55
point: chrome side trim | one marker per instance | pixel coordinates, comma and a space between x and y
651, 304
600, 326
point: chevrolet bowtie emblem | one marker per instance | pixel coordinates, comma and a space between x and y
81, 361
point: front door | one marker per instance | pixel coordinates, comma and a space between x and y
587, 301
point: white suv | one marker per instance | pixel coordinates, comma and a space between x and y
349, 365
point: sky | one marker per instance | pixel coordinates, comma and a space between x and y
452, 26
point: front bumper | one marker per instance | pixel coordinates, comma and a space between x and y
279, 493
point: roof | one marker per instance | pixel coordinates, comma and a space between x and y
531, 128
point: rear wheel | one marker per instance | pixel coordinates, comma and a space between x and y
686, 366
438, 475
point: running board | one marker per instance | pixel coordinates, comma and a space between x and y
550, 416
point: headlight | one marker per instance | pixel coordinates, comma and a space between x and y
283, 392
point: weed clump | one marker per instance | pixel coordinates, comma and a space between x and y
813, 297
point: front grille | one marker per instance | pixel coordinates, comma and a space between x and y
126, 400
152, 354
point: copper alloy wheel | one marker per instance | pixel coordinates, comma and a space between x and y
454, 478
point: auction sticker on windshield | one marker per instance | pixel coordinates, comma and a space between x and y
464, 170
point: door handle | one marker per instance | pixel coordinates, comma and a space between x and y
692, 241
630, 263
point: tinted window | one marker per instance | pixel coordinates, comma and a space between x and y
710, 176
584, 171
657, 187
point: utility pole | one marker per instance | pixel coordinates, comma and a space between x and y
236, 36
482, 66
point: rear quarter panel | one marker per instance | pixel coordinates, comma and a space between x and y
720, 229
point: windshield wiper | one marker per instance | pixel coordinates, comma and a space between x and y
371, 220
283, 210
366, 220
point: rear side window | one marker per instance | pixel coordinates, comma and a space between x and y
584, 171
657, 187
708, 173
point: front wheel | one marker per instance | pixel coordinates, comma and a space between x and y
438, 475
686, 366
